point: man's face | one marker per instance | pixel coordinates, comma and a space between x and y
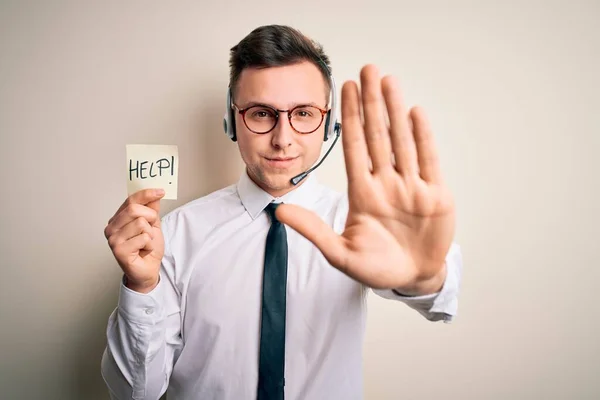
275, 157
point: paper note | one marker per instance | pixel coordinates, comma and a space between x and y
152, 167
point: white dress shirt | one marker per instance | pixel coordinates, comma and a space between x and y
197, 334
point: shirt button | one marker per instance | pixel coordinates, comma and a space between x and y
149, 311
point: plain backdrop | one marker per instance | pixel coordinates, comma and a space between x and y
511, 90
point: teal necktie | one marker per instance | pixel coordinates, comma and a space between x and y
271, 363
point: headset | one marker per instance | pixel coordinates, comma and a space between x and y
331, 129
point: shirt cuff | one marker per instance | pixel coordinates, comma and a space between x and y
142, 308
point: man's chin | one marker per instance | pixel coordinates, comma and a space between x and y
277, 179
281, 174
281, 180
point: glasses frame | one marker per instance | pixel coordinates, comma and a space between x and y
242, 112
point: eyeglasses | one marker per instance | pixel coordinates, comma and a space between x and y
262, 118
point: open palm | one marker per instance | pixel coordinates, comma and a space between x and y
400, 220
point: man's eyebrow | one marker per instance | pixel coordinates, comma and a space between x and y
257, 103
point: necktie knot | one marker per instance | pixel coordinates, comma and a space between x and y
270, 209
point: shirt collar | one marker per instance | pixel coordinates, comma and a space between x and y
256, 199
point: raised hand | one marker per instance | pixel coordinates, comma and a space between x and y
400, 222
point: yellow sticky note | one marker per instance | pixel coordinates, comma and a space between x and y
152, 166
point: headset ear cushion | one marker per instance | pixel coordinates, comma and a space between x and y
327, 126
232, 123
225, 124
229, 119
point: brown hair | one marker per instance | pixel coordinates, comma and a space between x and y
274, 46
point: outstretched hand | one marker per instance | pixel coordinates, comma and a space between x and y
400, 222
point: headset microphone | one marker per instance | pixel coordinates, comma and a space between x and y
298, 178
330, 129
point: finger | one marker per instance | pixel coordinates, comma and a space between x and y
376, 132
403, 143
356, 154
134, 245
132, 229
429, 165
309, 225
131, 213
155, 205
142, 197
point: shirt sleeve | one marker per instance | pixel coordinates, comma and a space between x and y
442, 305
143, 337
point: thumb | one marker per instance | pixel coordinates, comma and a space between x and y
312, 227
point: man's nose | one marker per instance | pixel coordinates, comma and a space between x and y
283, 133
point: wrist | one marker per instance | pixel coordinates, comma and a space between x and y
424, 287
141, 287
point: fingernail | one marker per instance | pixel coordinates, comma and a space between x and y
159, 192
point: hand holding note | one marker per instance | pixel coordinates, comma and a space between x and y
136, 240
134, 233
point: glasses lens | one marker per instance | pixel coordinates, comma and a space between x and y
260, 119
306, 119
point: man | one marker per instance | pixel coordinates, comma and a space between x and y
226, 298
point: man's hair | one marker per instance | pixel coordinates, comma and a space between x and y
275, 46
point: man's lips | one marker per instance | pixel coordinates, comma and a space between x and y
280, 162
280, 158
